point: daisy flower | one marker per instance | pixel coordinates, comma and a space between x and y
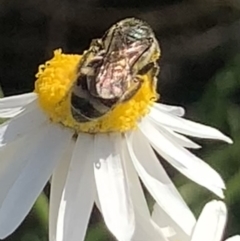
97, 161
209, 226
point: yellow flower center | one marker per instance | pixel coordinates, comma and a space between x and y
53, 86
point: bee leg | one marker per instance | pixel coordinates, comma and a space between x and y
145, 69
133, 90
155, 69
152, 66
84, 58
96, 45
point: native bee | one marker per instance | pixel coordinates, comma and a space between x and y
110, 71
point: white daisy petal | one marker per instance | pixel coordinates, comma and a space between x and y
180, 139
158, 183
187, 163
78, 194
17, 100
57, 184
171, 229
21, 125
137, 195
234, 238
3, 128
10, 112
211, 223
33, 166
112, 186
14, 111
186, 127
174, 110
145, 228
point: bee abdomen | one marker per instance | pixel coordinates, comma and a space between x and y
83, 110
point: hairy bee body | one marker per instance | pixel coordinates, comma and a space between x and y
110, 71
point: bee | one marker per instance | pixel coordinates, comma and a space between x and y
110, 71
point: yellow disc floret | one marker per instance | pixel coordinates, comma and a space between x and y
53, 86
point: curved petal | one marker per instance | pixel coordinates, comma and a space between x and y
112, 186
145, 228
14, 111
234, 238
211, 223
78, 193
137, 195
158, 183
171, 229
186, 127
26, 173
58, 181
17, 100
29, 120
180, 139
174, 110
187, 163
10, 112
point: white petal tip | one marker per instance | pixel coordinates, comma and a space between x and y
197, 146
228, 140
220, 136
217, 205
174, 110
215, 134
219, 193
223, 137
220, 183
234, 238
3, 236
181, 111
5, 231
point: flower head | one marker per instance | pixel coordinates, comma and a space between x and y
98, 161
53, 86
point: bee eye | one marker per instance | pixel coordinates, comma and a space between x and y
138, 33
135, 35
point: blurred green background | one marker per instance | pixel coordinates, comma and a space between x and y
200, 69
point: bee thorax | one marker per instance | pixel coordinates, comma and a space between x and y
113, 81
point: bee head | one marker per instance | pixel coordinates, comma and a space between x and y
135, 39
